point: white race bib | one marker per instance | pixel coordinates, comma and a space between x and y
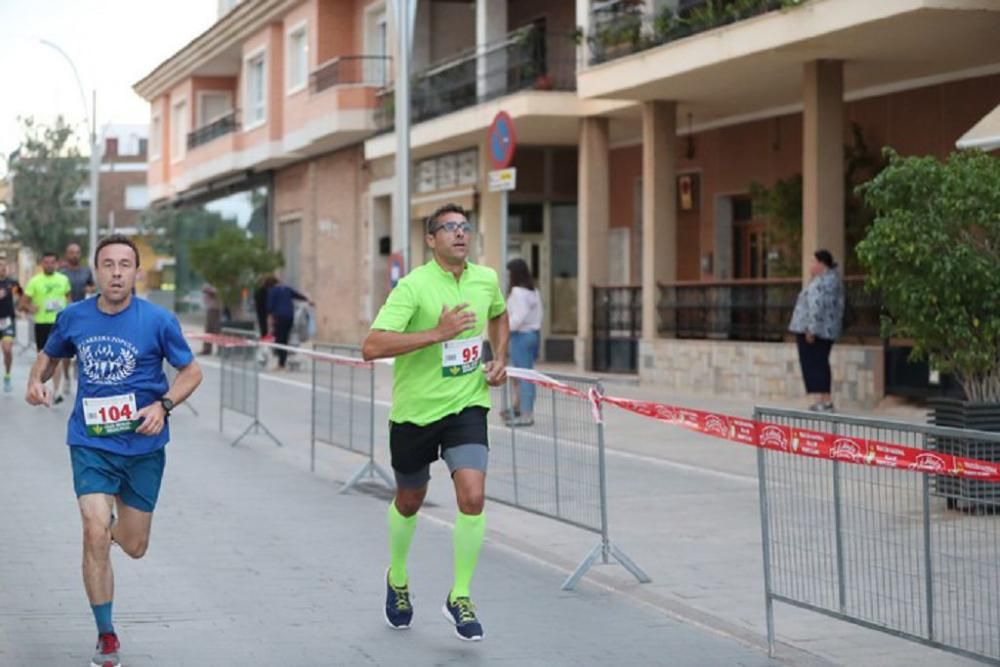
5, 322
53, 305
110, 415
461, 357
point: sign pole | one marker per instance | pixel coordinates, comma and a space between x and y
401, 230
504, 232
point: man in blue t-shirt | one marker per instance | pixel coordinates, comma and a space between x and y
118, 427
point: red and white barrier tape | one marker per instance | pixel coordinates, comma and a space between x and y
775, 437
788, 439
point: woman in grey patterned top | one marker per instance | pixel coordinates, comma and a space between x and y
816, 323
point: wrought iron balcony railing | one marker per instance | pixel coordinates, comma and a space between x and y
754, 310
351, 70
219, 127
526, 59
622, 27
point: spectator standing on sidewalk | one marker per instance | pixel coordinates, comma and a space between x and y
281, 315
213, 314
816, 323
524, 310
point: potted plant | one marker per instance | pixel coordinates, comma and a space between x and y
933, 253
543, 82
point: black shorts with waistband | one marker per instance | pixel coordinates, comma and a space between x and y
414, 447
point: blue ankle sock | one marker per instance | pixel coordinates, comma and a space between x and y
102, 614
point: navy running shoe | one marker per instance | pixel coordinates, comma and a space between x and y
462, 615
398, 610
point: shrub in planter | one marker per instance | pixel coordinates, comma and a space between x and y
933, 253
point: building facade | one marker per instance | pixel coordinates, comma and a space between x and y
650, 136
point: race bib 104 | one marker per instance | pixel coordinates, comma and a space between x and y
111, 415
461, 357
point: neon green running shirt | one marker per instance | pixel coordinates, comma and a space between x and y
49, 294
444, 378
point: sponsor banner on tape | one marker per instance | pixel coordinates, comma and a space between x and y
775, 437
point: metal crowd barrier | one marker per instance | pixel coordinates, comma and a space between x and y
239, 380
887, 549
343, 409
556, 467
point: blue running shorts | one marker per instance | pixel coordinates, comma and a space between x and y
135, 479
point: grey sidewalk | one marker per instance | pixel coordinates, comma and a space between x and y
255, 561
684, 506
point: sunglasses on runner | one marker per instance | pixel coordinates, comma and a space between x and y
452, 226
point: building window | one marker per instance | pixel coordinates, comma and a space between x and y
212, 106
178, 131
136, 197
155, 137
256, 91
298, 59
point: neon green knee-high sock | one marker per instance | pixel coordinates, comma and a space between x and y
468, 537
400, 536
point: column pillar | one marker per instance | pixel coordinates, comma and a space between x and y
491, 68
593, 224
822, 161
659, 207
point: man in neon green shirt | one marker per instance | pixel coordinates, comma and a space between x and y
45, 296
433, 323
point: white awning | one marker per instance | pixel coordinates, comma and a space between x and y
985, 135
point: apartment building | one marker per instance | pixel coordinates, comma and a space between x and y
642, 127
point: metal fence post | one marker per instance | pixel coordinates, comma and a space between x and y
605, 548
312, 421
350, 407
928, 561
765, 534
602, 472
838, 528
222, 385
555, 448
513, 438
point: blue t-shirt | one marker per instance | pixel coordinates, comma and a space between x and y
117, 355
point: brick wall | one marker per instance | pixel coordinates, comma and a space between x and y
759, 371
327, 194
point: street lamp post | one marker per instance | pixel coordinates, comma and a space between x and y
95, 165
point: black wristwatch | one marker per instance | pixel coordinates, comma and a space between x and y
167, 404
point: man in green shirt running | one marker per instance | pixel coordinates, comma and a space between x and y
433, 323
45, 296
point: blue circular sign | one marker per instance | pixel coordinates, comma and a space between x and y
502, 141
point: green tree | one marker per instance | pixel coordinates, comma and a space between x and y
781, 205
933, 253
232, 261
46, 172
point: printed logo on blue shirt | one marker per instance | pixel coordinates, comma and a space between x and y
107, 359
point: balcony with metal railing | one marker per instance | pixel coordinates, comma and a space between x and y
622, 27
351, 71
219, 127
526, 59
755, 310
